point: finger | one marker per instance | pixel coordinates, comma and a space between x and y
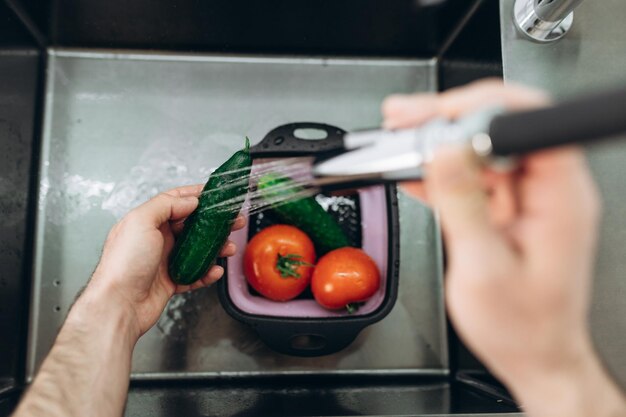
239, 223
560, 201
488, 92
456, 189
403, 111
185, 191
229, 249
169, 240
165, 207
502, 202
177, 226
215, 273
499, 188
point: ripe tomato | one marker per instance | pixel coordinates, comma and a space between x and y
278, 262
344, 276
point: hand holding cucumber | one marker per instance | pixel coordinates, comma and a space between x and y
87, 370
145, 265
134, 263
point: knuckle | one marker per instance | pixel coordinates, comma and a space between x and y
130, 217
388, 105
173, 192
164, 197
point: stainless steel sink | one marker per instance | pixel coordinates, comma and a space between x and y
120, 127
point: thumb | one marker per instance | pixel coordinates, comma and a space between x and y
166, 207
456, 191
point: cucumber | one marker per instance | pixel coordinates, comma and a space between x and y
207, 228
304, 213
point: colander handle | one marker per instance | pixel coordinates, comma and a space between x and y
285, 141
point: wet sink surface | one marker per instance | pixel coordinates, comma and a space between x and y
118, 128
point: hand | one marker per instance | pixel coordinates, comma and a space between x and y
403, 111
520, 247
134, 261
87, 370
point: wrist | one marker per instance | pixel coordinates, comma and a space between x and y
102, 309
576, 386
87, 369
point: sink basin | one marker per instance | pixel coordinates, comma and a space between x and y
119, 125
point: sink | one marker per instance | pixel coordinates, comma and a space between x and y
120, 127
127, 110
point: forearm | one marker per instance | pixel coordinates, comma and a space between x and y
582, 389
87, 370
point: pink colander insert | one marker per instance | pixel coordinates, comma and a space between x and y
375, 243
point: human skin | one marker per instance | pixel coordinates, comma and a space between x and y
87, 370
520, 248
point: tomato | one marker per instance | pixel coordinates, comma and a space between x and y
278, 262
343, 277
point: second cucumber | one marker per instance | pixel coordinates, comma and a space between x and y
304, 213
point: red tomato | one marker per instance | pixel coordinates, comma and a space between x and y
344, 276
278, 262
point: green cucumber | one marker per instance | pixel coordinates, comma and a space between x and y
304, 213
207, 228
